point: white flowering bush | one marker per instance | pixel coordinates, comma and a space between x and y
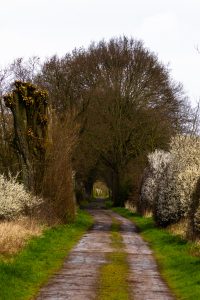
157, 163
178, 182
167, 206
14, 199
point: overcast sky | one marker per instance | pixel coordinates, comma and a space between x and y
170, 28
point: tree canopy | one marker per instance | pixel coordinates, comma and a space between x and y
126, 101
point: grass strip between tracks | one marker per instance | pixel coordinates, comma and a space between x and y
113, 283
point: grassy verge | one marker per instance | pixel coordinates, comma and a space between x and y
178, 266
22, 277
113, 275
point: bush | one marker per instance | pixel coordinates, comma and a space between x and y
178, 183
167, 205
14, 199
157, 164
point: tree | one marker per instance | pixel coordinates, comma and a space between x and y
134, 106
22, 70
29, 108
8, 159
125, 102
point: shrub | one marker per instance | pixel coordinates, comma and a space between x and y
14, 199
167, 205
177, 184
157, 164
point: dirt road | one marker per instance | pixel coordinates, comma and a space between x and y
79, 277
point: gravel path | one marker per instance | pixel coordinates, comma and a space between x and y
78, 279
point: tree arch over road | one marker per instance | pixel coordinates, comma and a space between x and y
124, 99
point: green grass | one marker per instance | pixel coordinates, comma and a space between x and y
113, 275
22, 277
180, 269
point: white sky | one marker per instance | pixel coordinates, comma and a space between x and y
170, 28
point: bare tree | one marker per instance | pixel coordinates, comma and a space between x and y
125, 101
24, 70
134, 105
8, 158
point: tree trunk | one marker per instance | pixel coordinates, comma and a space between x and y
116, 188
88, 188
29, 108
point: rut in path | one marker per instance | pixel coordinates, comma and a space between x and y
78, 279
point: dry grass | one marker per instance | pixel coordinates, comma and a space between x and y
195, 248
130, 206
15, 234
179, 228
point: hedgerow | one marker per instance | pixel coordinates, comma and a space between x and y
171, 181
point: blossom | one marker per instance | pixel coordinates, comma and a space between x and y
176, 186
14, 199
157, 163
